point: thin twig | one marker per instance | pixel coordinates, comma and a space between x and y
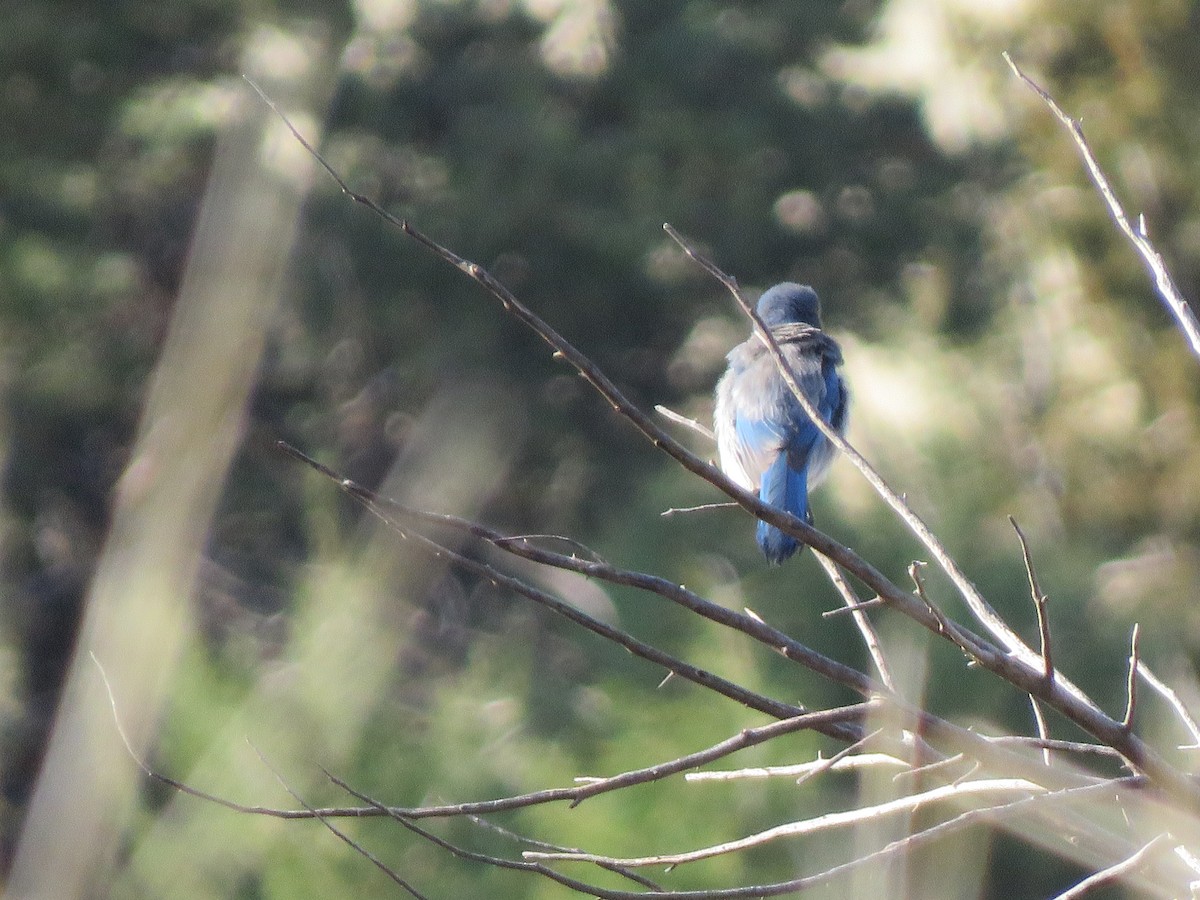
1131, 681
1113, 873
811, 826
322, 162
1172, 698
748, 737
825, 765
573, 794
1055, 744
587, 551
990, 814
405, 815
338, 833
996, 815
525, 840
1039, 604
928, 768
865, 627
1039, 601
637, 647
677, 510
1170, 294
800, 771
484, 858
1039, 719
672, 416
742, 893
914, 573
818, 721
967, 775
185, 788
850, 610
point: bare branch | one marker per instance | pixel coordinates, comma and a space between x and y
179, 785
675, 510
1172, 698
338, 833
488, 572
487, 859
313, 152
1055, 744
865, 627
850, 610
752, 626
989, 814
1039, 601
1131, 681
1039, 605
635, 877
944, 626
1039, 719
1002, 786
569, 541
671, 416
1053, 802
801, 771
1113, 873
931, 768
639, 648
748, 737
1019, 665
742, 893
825, 765
969, 774
1170, 294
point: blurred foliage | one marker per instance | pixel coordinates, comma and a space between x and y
1005, 349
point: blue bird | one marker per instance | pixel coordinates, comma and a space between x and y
767, 444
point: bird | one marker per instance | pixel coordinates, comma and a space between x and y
766, 442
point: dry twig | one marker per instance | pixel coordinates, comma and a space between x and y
1170, 294
338, 833
1131, 681
1001, 786
1113, 873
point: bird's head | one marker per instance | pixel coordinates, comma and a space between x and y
790, 302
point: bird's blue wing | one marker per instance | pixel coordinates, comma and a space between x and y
833, 400
784, 487
785, 483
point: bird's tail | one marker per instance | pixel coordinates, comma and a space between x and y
787, 489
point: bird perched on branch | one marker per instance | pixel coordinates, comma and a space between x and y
767, 443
